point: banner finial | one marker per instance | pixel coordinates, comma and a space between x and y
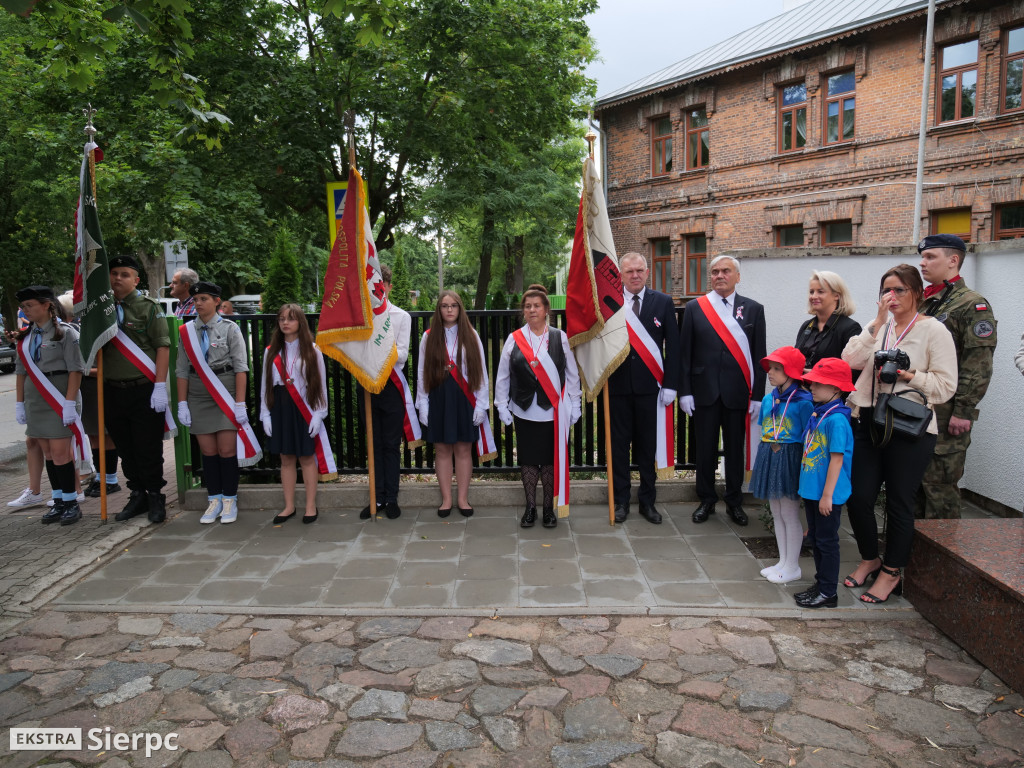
90, 129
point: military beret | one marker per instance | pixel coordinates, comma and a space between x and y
202, 287
37, 292
124, 261
941, 241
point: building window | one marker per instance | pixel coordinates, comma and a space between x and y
956, 221
835, 233
661, 146
1013, 69
1010, 221
697, 138
958, 80
789, 237
662, 266
839, 107
792, 117
696, 265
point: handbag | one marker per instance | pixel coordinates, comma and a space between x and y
897, 414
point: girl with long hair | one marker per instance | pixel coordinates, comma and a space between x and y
294, 373
452, 396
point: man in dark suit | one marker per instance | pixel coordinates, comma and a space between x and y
721, 382
635, 392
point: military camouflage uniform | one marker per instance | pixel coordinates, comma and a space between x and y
968, 316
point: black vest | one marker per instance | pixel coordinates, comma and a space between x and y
524, 384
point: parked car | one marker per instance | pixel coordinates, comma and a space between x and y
8, 354
247, 303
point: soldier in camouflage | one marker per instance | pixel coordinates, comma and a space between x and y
968, 316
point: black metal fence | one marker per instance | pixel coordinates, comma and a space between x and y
347, 422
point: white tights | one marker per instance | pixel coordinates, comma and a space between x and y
789, 532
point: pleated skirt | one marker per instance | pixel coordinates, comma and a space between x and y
290, 433
776, 474
450, 418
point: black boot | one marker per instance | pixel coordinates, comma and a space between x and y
157, 506
137, 504
54, 513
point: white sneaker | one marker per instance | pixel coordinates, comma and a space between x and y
27, 499
212, 512
230, 513
81, 497
782, 577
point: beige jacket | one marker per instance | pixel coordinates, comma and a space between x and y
932, 358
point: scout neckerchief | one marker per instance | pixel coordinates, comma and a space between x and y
544, 369
296, 387
735, 340
649, 352
133, 354
247, 447
55, 399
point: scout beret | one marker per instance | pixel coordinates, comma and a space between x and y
941, 241
203, 287
124, 261
37, 292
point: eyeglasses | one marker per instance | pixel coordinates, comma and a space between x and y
897, 291
449, 306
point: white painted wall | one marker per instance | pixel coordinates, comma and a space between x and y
995, 462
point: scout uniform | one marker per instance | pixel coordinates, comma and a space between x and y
137, 430
968, 316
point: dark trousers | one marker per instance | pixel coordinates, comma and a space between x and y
708, 422
823, 531
138, 434
634, 422
388, 409
900, 465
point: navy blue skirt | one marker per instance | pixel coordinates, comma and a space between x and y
776, 475
450, 418
290, 433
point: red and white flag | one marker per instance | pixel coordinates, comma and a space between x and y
355, 324
594, 313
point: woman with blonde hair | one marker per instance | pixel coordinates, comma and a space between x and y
826, 334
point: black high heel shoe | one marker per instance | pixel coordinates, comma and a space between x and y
311, 518
897, 590
851, 583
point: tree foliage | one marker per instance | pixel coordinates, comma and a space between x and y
282, 285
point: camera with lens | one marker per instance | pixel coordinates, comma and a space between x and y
890, 362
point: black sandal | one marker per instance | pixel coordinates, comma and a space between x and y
897, 590
851, 583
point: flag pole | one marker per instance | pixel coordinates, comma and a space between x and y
350, 126
590, 138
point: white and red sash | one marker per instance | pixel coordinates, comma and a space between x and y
410, 421
543, 367
735, 340
296, 388
642, 343
247, 447
486, 448
133, 354
55, 399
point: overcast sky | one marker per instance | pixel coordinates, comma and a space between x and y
638, 37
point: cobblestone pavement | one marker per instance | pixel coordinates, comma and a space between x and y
629, 692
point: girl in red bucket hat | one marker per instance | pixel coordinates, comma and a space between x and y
776, 475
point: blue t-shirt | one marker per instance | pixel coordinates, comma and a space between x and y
831, 434
790, 426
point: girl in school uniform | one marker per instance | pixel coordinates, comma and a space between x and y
293, 369
452, 397
48, 354
220, 353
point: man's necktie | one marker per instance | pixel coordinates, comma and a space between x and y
204, 342
636, 304
35, 346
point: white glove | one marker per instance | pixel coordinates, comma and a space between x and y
505, 416
666, 396
184, 414
69, 414
158, 400
479, 414
240, 415
19, 413
755, 407
575, 412
266, 424
686, 403
424, 411
314, 425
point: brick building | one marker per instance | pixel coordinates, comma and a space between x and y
802, 132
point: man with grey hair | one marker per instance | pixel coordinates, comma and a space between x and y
723, 341
182, 281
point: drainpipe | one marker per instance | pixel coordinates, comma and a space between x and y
923, 130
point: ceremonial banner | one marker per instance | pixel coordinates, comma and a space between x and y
355, 324
94, 300
595, 317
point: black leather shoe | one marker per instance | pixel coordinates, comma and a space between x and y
392, 510
550, 520
137, 504
157, 507
737, 514
113, 488
819, 601
649, 513
72, 513
529, 518
444, 512
807, 594
364, 514
701, 513
54, 513
93, 490
621, 512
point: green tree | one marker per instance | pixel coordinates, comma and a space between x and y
283, 280
400, 285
